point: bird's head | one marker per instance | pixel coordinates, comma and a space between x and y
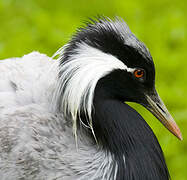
106, 55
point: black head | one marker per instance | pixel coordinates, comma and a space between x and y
116, 39
106, 55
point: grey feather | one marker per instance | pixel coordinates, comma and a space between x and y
35, 143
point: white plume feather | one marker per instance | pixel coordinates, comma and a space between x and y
78, 78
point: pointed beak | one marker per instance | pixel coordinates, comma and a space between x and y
159, 110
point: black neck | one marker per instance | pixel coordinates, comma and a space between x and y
121, 131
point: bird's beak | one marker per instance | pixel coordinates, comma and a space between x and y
159, 110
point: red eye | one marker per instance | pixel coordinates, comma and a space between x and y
139, 73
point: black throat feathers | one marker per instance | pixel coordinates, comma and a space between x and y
121, 131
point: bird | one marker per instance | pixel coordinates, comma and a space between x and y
67, 117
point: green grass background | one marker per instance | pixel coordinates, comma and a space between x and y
44, 25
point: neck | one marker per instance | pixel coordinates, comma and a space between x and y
121, 131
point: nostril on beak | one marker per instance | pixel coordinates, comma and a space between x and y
160, 107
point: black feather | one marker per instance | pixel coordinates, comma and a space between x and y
124, 133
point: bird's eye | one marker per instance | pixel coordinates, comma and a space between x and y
139, 73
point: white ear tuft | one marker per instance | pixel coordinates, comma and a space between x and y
78, 78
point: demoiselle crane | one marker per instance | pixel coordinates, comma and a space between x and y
67, 119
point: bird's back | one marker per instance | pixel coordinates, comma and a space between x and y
24, 81
36, 143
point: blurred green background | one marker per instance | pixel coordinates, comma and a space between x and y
27, 25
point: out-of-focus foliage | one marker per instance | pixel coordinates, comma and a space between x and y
27, 25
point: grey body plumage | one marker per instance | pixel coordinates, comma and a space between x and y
37, 144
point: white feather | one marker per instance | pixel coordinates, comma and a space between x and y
78, 78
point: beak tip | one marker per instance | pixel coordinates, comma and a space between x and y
180, 137
172, 126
